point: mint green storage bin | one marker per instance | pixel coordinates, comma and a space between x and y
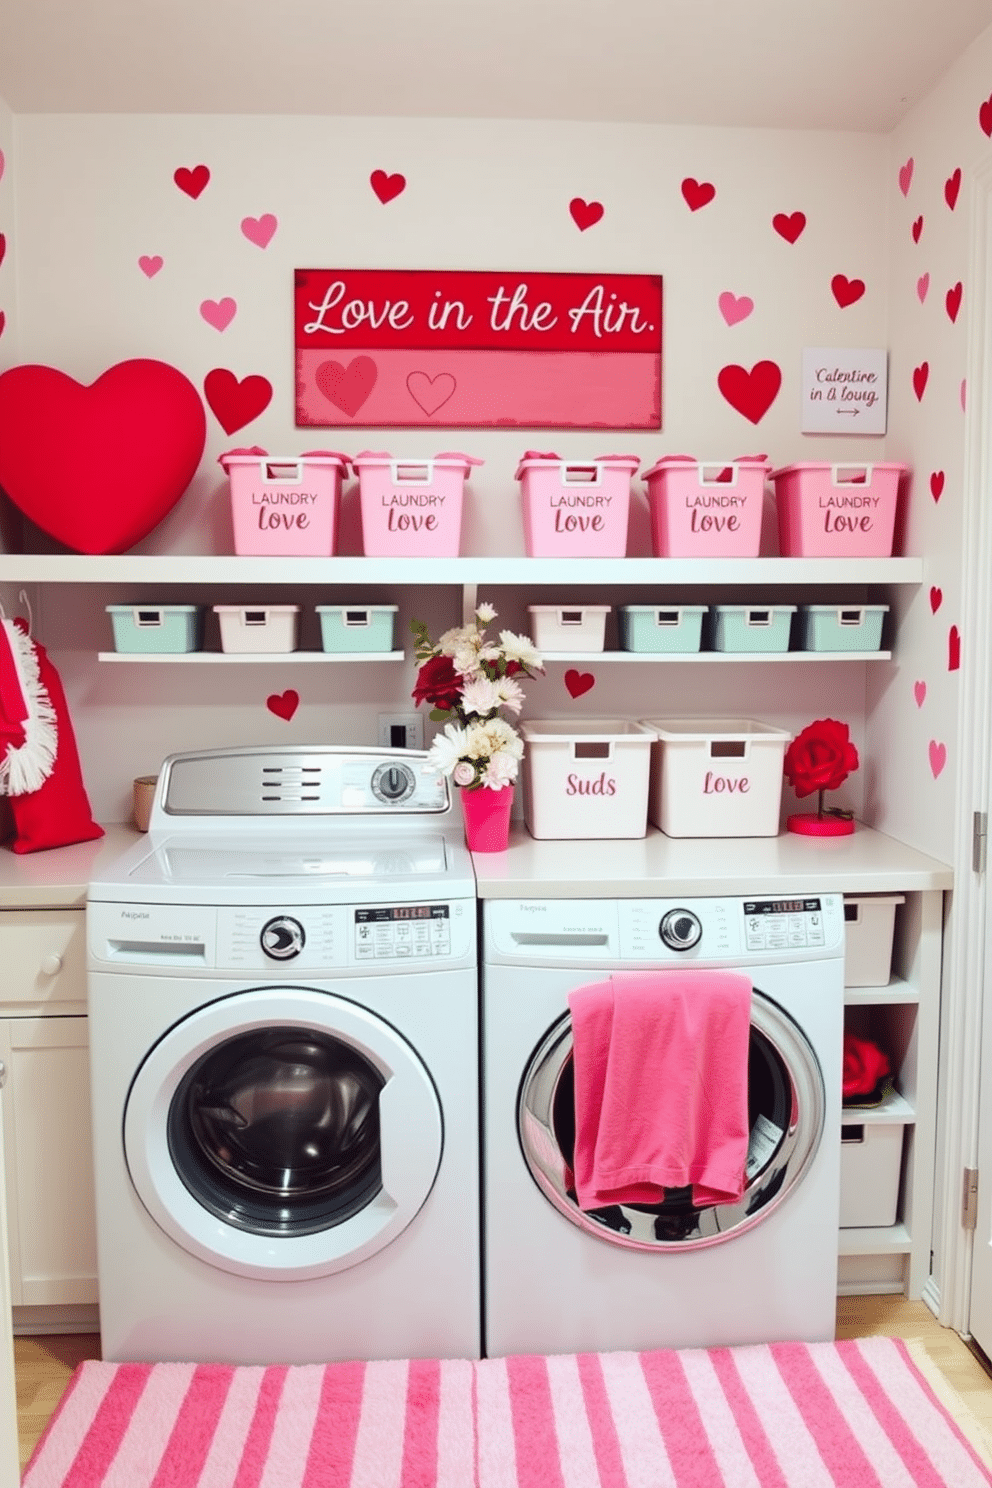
752, 627
841, 627
159, 630
357, 627
661, 627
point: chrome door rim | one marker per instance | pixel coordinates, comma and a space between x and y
786, 1168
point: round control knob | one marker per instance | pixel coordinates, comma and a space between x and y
680, 930
51, 964
393, 782
282, 938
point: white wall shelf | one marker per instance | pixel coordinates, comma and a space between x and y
716, 656
890, 1240
897, 991
185, 658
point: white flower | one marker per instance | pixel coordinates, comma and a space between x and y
485, 613
478, 743
463, 773
446, 750
511, 694
502, 737
500, 771
520, 648
452, 639
480, 696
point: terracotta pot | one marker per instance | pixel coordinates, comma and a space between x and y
486, 814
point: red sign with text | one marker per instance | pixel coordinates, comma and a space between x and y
408, 348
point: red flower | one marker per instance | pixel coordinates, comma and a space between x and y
438, 684
820, 758
864, 1065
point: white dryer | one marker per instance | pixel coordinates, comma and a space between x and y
284, 1051
561, 1280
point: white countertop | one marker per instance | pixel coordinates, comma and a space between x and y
865, 862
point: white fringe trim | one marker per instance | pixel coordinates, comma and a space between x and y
27, 767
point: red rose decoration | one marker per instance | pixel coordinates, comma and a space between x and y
864, 1065
437, 683
820, 758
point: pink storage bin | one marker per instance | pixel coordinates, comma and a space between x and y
284, 507
576, 509
706, 510
412, 508
836, 511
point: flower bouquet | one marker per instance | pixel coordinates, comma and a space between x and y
469, 679
820, 758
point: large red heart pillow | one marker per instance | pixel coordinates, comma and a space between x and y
98, 467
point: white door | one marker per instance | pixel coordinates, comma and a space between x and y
980, 1316
10, 1474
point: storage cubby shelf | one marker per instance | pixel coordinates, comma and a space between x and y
890, 1240
185, 658
716, 656
193, 568
897, 991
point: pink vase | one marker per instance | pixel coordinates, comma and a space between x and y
486, 814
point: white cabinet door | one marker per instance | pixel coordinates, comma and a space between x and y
49, 1161
10, 1472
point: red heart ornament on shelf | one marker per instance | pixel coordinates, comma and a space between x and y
283, 704
98, 466
578, 683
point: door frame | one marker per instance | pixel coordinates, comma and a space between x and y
10, 1471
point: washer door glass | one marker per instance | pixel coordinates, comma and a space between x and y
277, 1131
282, 1133
786, 1102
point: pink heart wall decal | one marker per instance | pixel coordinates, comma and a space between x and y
917, 229
192, 182
951, 188
697, 193
846, 291
752, 392
985, 116
963, 394
219, 313
260, 230
235, 403
347, 387
734, 309
938, 757
430, 393
789, 226
3, 321
578, 683
920, 375
922, 287
920, 693
150, 263
585, 214
906, 176
952, 301
387, 187
283, 704
953, 649
936, 598
3, 164
936, 484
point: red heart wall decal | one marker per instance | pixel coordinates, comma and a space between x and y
697, 193
985, 116
936, 484
283, 704
952, 301
347, 387
387, 187
233, 403
920, 375
192, 182
3, 321
953, 649
751, 393
578, 683
936, 598
917, 229
3, 247
585, 214
846, 291
789, 227
98, 467
951, 188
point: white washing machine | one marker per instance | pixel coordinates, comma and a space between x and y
560, 1280
284, 1049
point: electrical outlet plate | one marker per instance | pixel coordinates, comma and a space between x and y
401, 731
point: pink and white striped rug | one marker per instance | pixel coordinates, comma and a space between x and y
857, 1414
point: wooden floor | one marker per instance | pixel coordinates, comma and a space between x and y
44, 1364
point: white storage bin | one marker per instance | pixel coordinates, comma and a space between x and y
716, 777
871, 1163
568, 629
869, 922
586, 777
266, 628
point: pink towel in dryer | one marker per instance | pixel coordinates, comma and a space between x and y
661, 1087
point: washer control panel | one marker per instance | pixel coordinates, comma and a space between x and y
783, 924
402, 932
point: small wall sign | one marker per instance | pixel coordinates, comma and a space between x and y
845, 391
413, 348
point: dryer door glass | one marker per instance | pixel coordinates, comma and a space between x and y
277, 1131
786, 1108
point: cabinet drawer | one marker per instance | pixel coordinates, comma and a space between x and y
43, 955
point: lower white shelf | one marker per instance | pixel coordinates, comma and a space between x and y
890, 1240
717, 656
205, 658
